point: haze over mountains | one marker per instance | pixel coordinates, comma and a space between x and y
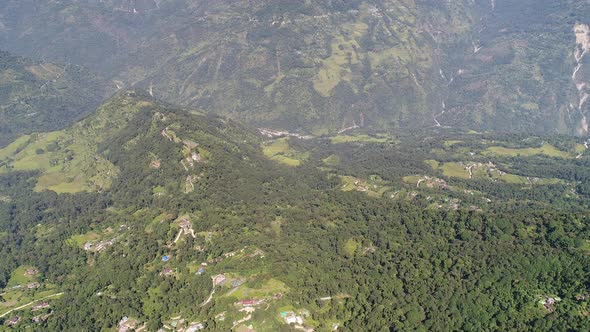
322, 66
294, 165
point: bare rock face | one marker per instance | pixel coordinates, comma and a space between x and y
580, 75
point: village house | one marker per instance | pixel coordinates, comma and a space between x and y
167, 271
40, 318
251, 302
229, 254
13, 321
201, 271
256, 252
291, 318
218, 279
195, 327
33, 285
549, 303
40, 306
126, 324
102, 245
88, 246
195, 156
31, 272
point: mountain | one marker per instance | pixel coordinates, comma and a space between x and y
40, 96
146, 215
324, 66
524, 71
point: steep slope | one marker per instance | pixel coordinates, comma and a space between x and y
68, 159
515, 73
324, 66
130, 127
40, 96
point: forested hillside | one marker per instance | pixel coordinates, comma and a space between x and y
324, 66
209, 224
40, 96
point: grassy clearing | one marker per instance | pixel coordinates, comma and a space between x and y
451, 143
276, 225
68, 163
434, 164
14, 147
68, 159
516, 179
357, 138
269, 288
350, 247
455, 170
80, 240
546, 149
18, 277
374, 186
279, 150
411, 179
348, 183
585, 247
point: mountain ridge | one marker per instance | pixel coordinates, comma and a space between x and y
322, 66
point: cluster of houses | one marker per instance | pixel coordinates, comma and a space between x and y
100, 246
40, 306
180, 324
33, 285
195, 157
31, 272
186, 227
432, 182
40, 318
13, 321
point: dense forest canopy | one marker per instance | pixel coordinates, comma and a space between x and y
356, 231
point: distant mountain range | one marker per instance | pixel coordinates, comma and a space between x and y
323, 66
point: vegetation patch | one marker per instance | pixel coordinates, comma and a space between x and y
357, 138
455, 170
279, 150
546, 149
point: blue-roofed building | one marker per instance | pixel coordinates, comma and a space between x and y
165, 259
201, 270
